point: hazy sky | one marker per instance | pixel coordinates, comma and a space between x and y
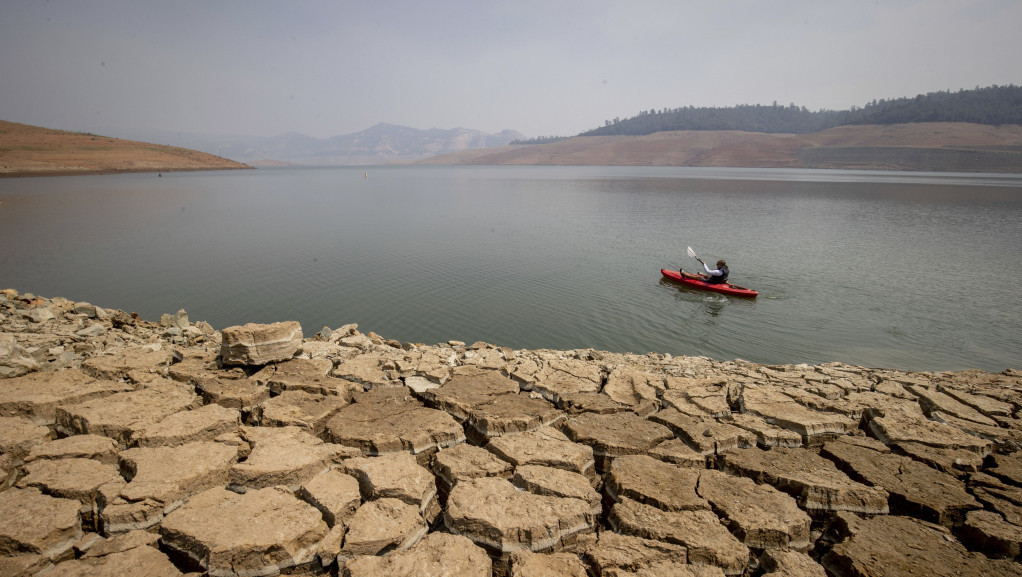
546, 67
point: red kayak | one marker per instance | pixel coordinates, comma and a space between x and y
723, 288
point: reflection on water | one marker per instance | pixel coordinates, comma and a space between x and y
879, 269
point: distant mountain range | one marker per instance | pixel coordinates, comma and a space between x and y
380, 144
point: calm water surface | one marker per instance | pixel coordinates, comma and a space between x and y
903, 270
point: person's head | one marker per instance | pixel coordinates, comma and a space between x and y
721, 263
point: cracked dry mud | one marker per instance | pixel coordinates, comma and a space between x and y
144, 448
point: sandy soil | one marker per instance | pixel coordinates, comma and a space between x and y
33, 151
923, 146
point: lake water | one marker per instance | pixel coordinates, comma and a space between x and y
916, 271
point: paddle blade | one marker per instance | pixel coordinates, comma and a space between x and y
692, 253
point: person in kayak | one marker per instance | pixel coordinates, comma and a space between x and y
712, 276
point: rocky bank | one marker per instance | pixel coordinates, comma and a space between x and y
144, 448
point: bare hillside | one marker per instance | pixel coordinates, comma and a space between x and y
33, 151
923, 146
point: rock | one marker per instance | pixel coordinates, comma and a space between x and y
382, 526
420, 385
545, 446
259, 344
631, 387
988, 532
203, 424
14, 360
776, 408
31, 522
389, 420
19, 435
705, 435
896, 428
27, 565
335, 494
287, 456
759, 515
141, 561
676, 452
557, 483
93, 447
709, 396
122, 364
626, 553
896, 546
1002, 499
178, 320
561, 376
36, 396
466, 461
1007, 468
933, 400
469, 387
506, 414
986, 405
817, 485
577, 403
502, 519
951, 461
646, 480
364, 369
330, 547
40, 315
160, 478
787, 563
529, 564
103, 547
614, 435
296, 408
308, 375
92, 331
915, 489
767, 435
257, 533
122, 415
398, 476
240, 394
707, 541
89, 310
77, 479
680, 402
438, 554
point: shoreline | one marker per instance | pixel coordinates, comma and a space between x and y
371, 454
96, 172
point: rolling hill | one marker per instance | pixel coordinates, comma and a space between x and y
925, 146
34, 151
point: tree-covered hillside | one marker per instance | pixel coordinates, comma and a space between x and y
995, 105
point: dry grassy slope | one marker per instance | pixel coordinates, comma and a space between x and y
923, 146
30, 150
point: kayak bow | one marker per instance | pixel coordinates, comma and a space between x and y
723, 288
